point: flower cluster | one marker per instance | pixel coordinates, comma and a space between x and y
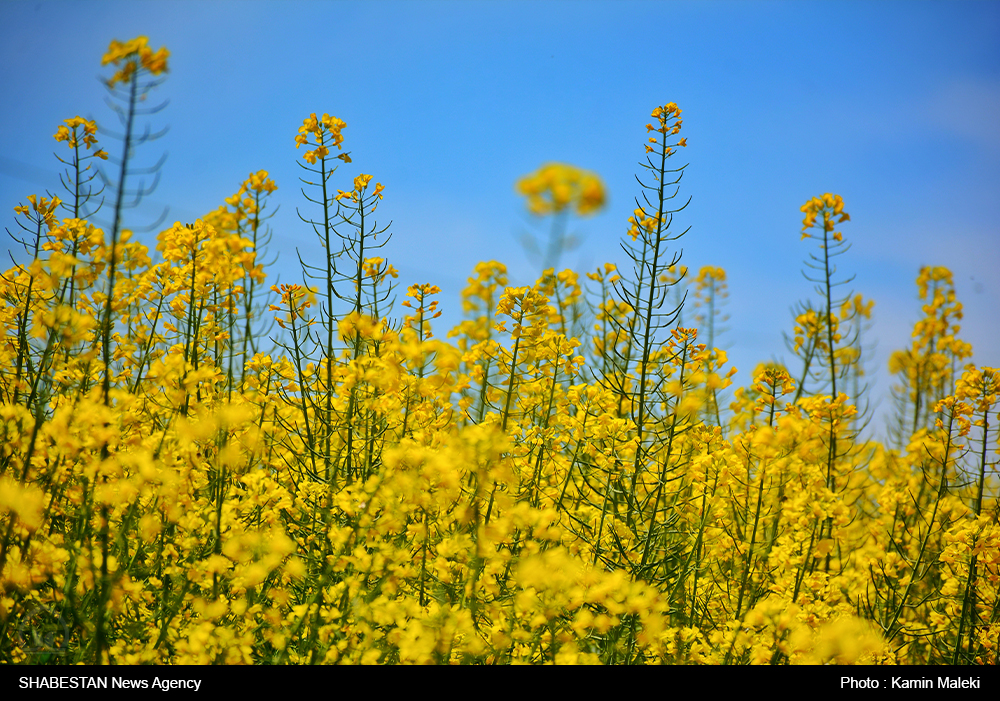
132, 56
668, 124
830, 206
358, 194
42, 210
326, 132
556, 187
69, 132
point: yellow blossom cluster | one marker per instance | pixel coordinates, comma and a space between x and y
830, 207
668, 124
556, 187
326, 132
69, 132
132, 56
42, 210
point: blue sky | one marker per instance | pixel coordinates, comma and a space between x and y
893, 105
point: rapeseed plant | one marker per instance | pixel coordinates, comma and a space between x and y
557, 189
557, 484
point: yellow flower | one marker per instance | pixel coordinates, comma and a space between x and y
135, 54
43, 207
827, 205
326, 131
68, 132
260, 182
664, 115
556, 186
361, 182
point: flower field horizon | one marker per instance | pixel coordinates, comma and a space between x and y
203, 466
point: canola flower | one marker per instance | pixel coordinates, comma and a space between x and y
132, 56
326, 132
557, 187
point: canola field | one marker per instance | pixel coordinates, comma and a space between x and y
198, 467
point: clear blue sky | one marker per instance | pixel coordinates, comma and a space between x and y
893, 105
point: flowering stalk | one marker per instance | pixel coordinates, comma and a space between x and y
978, 390
646, 295
136, 60
557, 189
